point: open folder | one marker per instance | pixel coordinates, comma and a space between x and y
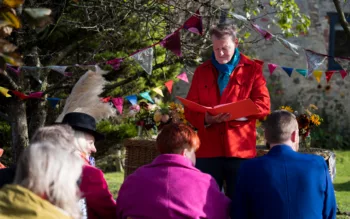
237, 110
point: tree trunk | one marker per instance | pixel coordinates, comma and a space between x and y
38, 117
19, 129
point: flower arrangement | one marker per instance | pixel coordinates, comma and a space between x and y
307, 120
152, 117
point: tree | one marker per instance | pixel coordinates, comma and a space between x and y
342, 19
94, 31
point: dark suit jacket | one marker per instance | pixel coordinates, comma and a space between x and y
284, 184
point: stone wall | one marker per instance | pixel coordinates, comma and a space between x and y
297, 89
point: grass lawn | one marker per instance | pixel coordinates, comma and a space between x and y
341, 183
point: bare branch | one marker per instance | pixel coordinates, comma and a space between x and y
12, 83
130, 79
342, 18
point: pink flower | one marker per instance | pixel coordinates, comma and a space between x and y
135, 108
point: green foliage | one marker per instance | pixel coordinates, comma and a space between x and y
117, 132
290, 20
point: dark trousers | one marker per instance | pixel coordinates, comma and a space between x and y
222, 169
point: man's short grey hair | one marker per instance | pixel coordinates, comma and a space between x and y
51, 172
224, 29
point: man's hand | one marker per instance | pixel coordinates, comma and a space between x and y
222, 117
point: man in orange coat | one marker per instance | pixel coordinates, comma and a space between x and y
228, 77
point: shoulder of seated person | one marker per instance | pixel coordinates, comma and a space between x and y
90, 170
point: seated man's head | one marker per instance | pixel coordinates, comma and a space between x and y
281, 127
178, 139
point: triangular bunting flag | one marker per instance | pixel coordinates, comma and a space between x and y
158, 90
173, 43
12, 68
145, 95
132, 99
314, 60
59, 69
318, 74
329, 75
145, 58
288, 70
271, 67
38, 94
183, 77
4, 92
194, 24
118, 103
19, 95
344, 63
239, 17
53, 101
292, 47
343, 73
169, 85
303, 72
106, 99
267, 35
115, 63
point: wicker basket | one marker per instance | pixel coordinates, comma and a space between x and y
138, 153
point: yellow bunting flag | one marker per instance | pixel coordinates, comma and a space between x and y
4, 91
318, 74
158, 90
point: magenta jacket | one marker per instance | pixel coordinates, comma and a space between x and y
170, 187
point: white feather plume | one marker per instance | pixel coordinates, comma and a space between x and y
84, 97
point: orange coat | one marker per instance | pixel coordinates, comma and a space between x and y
233, 138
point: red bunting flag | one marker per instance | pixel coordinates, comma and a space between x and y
267, 35
343, 73
19, 95
105, 99
194, 24
272, 67
329, 75
169, 85
173, 43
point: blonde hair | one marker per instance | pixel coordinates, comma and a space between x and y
64, 134
67, 137
52, 171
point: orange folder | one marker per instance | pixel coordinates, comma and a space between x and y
237, 110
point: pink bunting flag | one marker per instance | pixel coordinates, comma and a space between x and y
329, 75
118, 103
36, 95
183, 77
173, 43
169, 85
194, 24
17, 71
115, 63
272, 67
343, 73
267, 35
